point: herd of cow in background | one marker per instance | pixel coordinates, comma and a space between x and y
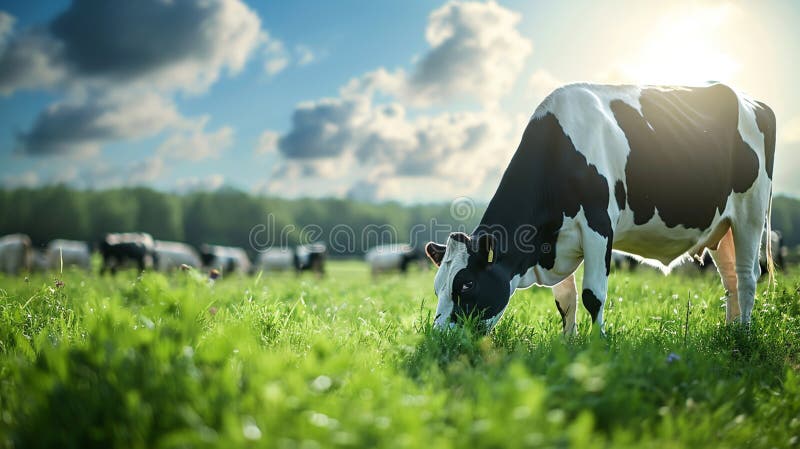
139, 250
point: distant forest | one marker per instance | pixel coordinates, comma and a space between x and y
232, 217
224, 217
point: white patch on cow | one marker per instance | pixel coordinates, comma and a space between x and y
65, 253
584, 113
276, 259
455, 259
15, 253
171, 255
387, 257
568, 257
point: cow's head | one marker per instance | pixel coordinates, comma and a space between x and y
469, 282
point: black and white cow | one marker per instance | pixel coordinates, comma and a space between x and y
384, 258
659, 172
310, 257
779, 251
171, 256
62, 253
16, 253
119, 249
227, 259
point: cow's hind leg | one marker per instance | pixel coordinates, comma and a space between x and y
747, 242
566, 294
725, 261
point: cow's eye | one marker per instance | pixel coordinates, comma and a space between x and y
466, 286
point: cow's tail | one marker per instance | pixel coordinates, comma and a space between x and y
768, 251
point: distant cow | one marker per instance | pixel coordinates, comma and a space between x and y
119, 249
778, 251
227, 259
623, 261
665, 173
310, 257
16, 253
385, 258
276, 259
171, 255
67, 253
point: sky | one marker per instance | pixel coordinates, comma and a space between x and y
414, 101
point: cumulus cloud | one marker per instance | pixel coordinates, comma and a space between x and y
475, 48
267, 143
475, 51
194, 143
323, 128
119, 65
180, 44
373, 142
81, 127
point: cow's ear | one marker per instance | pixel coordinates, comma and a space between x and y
487, 244
435, 252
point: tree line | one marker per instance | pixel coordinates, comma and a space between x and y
231, 217
224, 217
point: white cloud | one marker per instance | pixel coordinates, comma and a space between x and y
193, 143
194, 183
267, 143
182, 44
123, 89
18, 180
369, 146
305, 55
80, 127
475, 52
276, 59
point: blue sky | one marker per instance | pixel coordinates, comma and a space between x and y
414, 101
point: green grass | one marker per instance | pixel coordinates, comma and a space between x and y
294, 362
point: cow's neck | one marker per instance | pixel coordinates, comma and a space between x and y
521, 205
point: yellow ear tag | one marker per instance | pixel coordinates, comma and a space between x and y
491, 255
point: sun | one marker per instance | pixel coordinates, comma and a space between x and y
687, 48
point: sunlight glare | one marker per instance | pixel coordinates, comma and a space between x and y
687, 48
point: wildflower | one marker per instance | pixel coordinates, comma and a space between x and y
672, 357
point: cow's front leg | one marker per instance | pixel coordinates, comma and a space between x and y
566, 294
596, 263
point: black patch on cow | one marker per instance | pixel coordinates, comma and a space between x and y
619, 194
563, 316
686, 154
765, 119
591, 303
546, 179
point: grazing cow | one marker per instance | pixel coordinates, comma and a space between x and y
385, 258
227, 259
172, 255
16, 253
119, 249
779, 250
622, 261
276, 259
659, 172
68, 253
310, 257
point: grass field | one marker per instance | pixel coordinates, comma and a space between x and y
294, 362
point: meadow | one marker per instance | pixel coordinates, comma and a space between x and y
289, 361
